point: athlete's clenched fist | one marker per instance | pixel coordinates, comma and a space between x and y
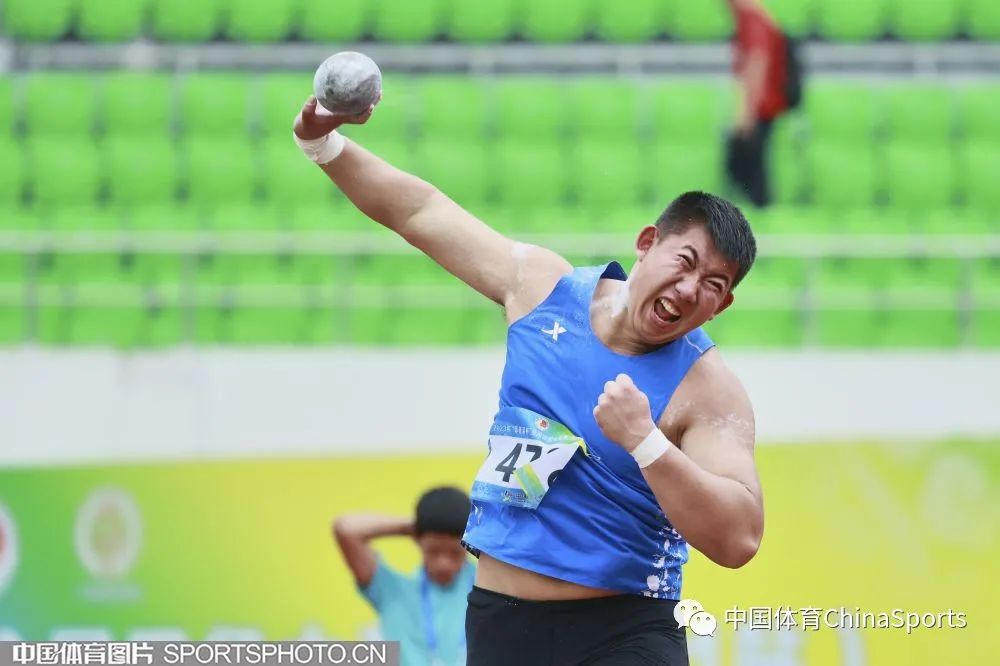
623, 413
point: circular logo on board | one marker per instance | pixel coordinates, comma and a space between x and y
8, 548
108, 533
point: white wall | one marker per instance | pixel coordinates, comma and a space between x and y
73, 406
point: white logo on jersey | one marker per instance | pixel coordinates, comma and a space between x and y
554, 331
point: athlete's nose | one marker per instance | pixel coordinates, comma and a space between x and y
687, 289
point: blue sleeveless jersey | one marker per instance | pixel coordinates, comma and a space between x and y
599, 525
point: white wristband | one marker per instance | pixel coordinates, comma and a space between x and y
651, 448
324, 149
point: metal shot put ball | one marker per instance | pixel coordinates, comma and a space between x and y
347, 83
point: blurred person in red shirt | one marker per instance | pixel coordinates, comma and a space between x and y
766, 68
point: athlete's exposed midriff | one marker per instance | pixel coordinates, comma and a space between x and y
497, 576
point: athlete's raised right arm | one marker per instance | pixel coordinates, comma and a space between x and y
353, 534
509, 273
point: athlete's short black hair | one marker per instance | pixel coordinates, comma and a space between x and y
726, 225
443, 510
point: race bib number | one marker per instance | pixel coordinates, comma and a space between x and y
527, 453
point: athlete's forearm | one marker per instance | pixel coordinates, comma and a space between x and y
384, 193
719, 516
365, 527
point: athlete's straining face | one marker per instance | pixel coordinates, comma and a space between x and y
443, 556
680, 281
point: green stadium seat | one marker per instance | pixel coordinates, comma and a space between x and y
227, 270
267, 325
920, 114
794, 16
532, 108
930, 277
12, 322
290, 179
126, 318
60, 104
486, 326
481, 21
920, 327
312, 216
621, 219
341, 21
986, 292
530, 174
396, 151
408, 21
460, 169
609, 174
220, 172
950, 221
8, 111
787, 171
18, 218
980, 164
850, 20
983, 19
781, 219
158, 269
111, 20
247, 217
186, 20
256, 21
12, 175
681, 167
137, 105
394, 116
454, 107
757, 328
920, 177
37, 20
13, 269
641, 22
764, 313
141, 172
843, 177
986, 326
166, 218
698, 21
281, 97
85, 218
878, 221
606, 109
979, 104
689, 112
555, 20
924, 20
841, 112
216, 104
73, 179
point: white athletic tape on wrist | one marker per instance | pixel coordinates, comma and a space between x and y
324, 149
651, 448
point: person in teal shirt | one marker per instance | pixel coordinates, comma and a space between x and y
425, 610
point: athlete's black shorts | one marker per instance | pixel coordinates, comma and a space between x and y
626, 630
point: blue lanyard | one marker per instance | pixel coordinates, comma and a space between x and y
428, 612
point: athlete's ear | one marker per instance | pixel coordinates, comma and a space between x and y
648, 237
726, 302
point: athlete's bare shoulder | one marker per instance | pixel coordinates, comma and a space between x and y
710, 395
537, 270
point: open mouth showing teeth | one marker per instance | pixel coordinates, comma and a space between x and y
665, 311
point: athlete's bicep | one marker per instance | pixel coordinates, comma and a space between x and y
477, 254
717, 430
